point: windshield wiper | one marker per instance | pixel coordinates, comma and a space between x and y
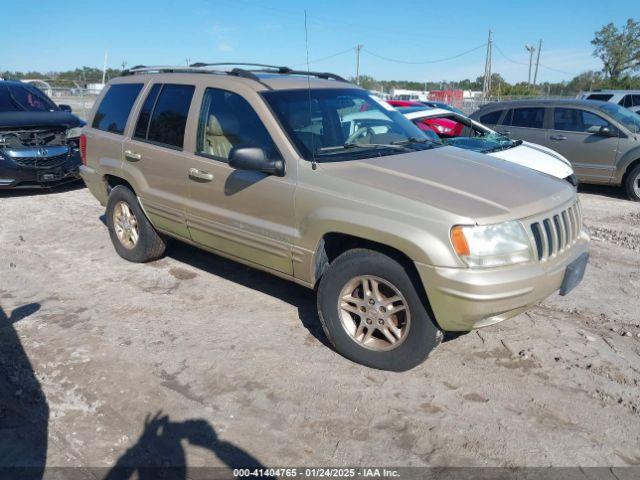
415, 140
349, 145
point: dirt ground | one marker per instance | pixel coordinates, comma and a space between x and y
228, 366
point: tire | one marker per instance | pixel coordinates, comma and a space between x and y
632, 184
149, 245
419, 334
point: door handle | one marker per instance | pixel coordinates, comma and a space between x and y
132, 156
194, 173
558, 137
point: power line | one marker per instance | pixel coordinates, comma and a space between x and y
395, 60
328, 57
507, 58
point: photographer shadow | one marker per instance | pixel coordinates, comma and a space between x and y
24, 411
159, 452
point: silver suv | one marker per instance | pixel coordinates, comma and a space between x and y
600, 139
401, 236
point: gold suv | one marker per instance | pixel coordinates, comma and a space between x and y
311, 178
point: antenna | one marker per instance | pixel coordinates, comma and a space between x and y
314, 165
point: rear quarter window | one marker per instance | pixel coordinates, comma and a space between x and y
603, 97
491, 118
115, 107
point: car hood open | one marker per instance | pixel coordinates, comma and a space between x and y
38, 119
466, 183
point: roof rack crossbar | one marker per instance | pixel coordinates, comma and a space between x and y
201, 67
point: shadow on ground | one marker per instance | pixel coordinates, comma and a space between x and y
24, 412
300, 297
159, 452
604, 190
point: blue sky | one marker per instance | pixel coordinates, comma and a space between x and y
57, 34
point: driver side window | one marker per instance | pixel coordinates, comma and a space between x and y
573, 120
226, 121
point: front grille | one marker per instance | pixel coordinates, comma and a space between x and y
558, 232
41, 162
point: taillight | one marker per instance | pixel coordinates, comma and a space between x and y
83, 148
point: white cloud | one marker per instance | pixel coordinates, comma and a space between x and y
225, 47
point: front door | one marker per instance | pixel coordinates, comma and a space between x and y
248, 215
579, 136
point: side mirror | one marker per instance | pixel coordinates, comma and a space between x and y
254, 159
64, 108
605, 131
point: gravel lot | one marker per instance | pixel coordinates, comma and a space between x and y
91, 346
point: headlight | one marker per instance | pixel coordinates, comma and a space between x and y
492, 245
74, 132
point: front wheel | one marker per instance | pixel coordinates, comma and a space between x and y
372, 313
632, 184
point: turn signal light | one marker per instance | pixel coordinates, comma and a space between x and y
459, 242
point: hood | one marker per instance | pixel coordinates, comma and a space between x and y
537, 157
39, 119
469, 184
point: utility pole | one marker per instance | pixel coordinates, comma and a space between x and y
104, 69
535, 75
358, 48
187, 61
486, 82
530, 49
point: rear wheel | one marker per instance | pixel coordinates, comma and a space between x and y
372, 313
632, 184
132, 235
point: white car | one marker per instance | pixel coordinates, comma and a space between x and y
459, 131
625, 98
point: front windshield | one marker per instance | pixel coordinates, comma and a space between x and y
17, 98
459, 131
626, 117
344, 124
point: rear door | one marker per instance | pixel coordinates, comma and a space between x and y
524, 123
575, 134
245, 214
108, 126
154, 158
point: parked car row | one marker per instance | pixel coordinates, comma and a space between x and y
313, 179
600, 139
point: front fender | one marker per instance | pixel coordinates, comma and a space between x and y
623, 163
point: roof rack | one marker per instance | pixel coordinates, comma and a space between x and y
200, 67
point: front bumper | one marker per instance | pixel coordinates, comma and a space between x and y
13, 176
463, 298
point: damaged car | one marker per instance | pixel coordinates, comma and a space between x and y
39, 140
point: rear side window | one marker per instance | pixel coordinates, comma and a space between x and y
491, 118
528, 117
227, 120
169, 117
142, 126
603, 97
115, 107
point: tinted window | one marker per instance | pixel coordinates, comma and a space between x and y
226, 121
7, 104
169, 117
145, 113
604, 97
115, 107
491, 118
528, 117
30, 99
573, 120
630, 101
507, 118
